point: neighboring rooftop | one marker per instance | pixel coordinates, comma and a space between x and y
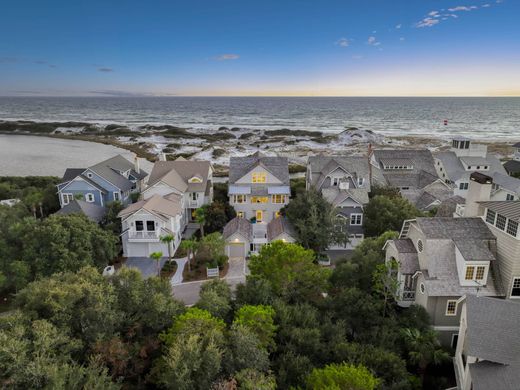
278, 226
512, 166
508, 208
178, 173
238, 225
277, 166
166, 206
408, 258
455, 170
91, 210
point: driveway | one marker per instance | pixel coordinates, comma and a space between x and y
189, 292
147, 266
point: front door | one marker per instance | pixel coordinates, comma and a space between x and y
259, 215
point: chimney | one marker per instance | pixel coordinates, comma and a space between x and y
137, 166
479, 190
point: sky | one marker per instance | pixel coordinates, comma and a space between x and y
264, 47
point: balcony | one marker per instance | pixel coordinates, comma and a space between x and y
143, 236
460, 210
405, 298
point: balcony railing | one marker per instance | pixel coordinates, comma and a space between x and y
143, 235
408, 295
460, 210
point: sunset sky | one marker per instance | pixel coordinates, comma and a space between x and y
267, 47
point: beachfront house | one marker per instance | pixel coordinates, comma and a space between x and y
502, 219
512, 166
437, 261
345, 182
110, 180
465, 157
488, 343
190, 179
259, 187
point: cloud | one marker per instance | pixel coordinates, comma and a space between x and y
8, 60
435, 14
462, 8
104, 69
486, 5
227, 57
427, 22
372, 41
343, 42
401, 39
399, 26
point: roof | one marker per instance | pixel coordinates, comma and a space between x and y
109, 170
422, 158
278, 226
277, 166
408, 259
427, 197
177, 174
517, 145
470, 161
455, 228
487, 375
448, 206
508, 208
168, 206
71, 173
336, 196
455, 170
238, 225
91, 210
512, 166
397, 162
507, 182
489, 339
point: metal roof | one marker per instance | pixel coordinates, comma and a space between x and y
508, 208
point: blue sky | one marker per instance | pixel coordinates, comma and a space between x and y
309, 48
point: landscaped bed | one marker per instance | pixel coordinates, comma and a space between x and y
169, 268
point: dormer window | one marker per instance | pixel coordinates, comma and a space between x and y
335, 181
195, 179
475, 273
360, 181
420, 246
89, 175
259, 177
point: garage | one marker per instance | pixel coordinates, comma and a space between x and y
236, 249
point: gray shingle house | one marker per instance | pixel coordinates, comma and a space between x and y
439, 260
345, 182
513, 166
92, 211
487, 355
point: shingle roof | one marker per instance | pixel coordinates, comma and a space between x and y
517, 145
455, 170
508, 208
168, 206
455, 228
448, 206
408, 258
178, 173
492, 332
512, 166
486, 375
71, 173
277, 166
91, 210
278, 226
505, 181
238, 225
336, 196
422, 158
108, 170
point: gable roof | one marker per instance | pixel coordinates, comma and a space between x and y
177, 174
278, 226
422, 159
91, 210
507, 182
455, 228
512, 166
508, 208
71, 173
109, 170
165, 206
455, 170
408, 258
336, 196
238, 225
277, 166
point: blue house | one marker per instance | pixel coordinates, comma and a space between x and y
110, 180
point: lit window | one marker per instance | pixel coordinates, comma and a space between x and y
512, 228
501, 222
259, 199
259, 177
490, 216
278, 198
470, 270
239, 198
356, 219
515, 291
240, 214
277, 214
481, 270
451, 308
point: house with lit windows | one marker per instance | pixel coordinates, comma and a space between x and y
259, 187
437, 261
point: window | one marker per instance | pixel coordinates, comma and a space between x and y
240, 214
481, 270
259, 215
139, 226
501, 222
194, 196
510, 197
239, 198
421, 288
470, 270
356, 219
89, 175
195, 179
512, 228
451, 307
150, 226
116, 196
277, 214
515, 290
259, 199
259, 177
335, 181
278, 198
463, 186
486, 167
67, 198
490, 216
360, 181
420, 246
89, 197
454, 340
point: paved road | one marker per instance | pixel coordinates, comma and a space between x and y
147, 266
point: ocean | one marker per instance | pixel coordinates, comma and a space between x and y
479, 118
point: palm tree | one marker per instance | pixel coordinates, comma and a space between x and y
190, 246
157, 256
424, 349
200, 218
167, 239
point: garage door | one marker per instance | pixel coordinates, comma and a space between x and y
236, 250
137, 249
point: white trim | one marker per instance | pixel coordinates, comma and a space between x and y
448, 305
446, 328
96, 186
360, 222
90, 194
64, 198
511, 290
118, 195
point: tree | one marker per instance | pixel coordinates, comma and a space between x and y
111, 221
34, 199
260, 320
157, 256
215, 244
384, 213
200, 218
167, 239
423, 349
291, 271
385, 282
315, 221
190, 246
217, 215
215, 297
244, 351
250, 379
341, 376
